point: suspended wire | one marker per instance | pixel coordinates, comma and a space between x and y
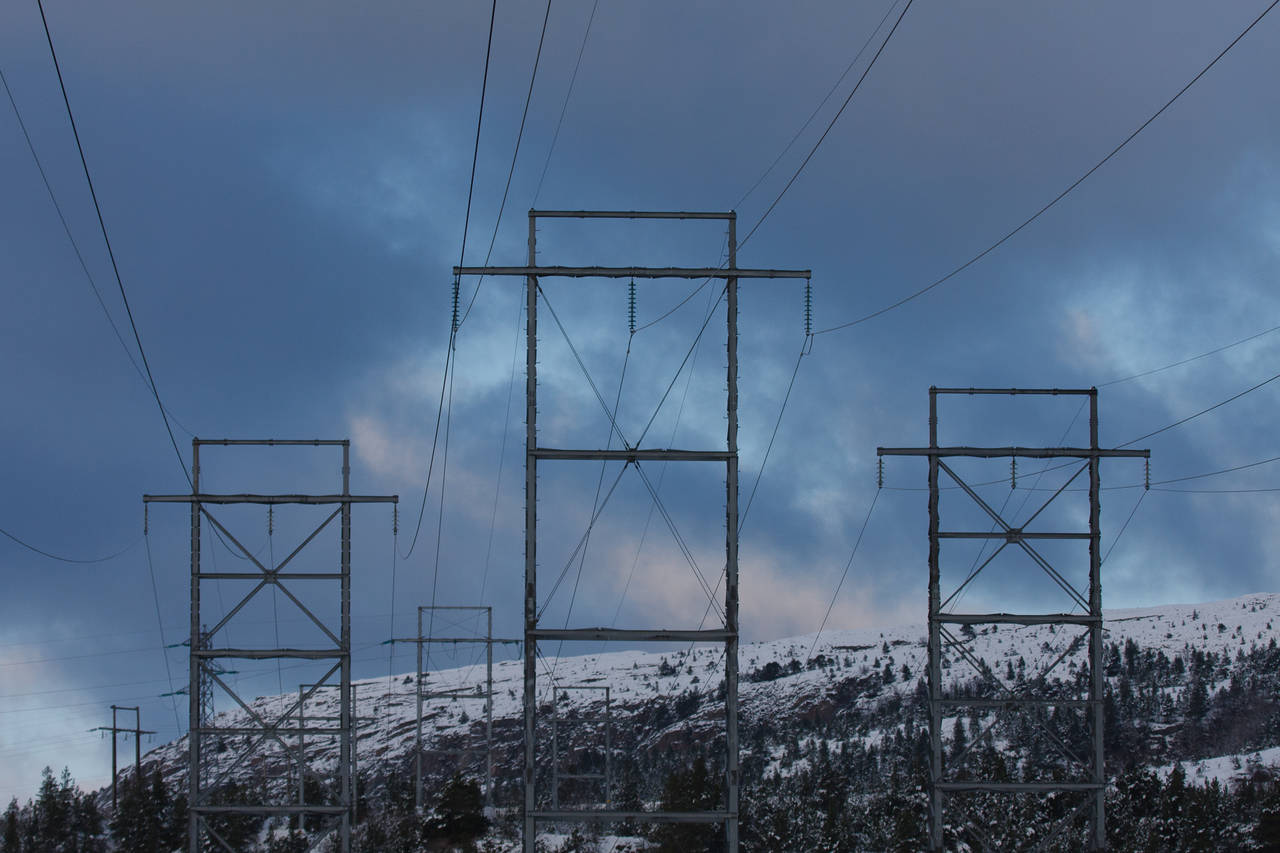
1178, 423
502, 452
102, 225
475, 154
777, 423
1114, 151
1214, 351
75, 247
720, 263
817, 109
844, 574
446, 378
61, 559
1124, 526
565, 106
511, 171
675, 307
1215, 491
444, 471
155, 594
435, 437
831, 124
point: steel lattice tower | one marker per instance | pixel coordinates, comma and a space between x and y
1031, 701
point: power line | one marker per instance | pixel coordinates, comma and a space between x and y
1202, 411
1214, 351
1060, 196
817, 109
831, 124
844, 574
66, 228
565, 106
777, 423
466, 223
61, 559
102, 225
475, 154
511, 171
1124, 527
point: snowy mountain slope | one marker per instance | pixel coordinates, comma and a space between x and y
787, 679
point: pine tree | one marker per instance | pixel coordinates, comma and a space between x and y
11, 835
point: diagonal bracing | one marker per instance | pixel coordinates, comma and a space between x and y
288, 728
1030, 699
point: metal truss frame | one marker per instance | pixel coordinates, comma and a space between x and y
1092, 779
606, 778
204, 656
728, 632
423, 642
305, 691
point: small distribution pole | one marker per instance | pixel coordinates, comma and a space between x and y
424, 641
116, 729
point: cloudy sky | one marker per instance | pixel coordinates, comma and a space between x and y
285, 186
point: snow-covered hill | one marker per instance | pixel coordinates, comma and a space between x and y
663, 700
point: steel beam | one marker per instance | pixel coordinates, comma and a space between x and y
631, 214
634, 455
633, 635
632, 272
1019, 452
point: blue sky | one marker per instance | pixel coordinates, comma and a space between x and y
285, 191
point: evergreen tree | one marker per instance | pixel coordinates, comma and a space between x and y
458, 816
690, 790
11, 834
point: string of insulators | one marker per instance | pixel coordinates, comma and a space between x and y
457, 287
880, 472
808, 307
271, 526
1013, 472
631, 306
1146, 477
146, 519
395, 520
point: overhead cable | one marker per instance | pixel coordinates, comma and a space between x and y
831, 124
61, 559
511, 171
1060, 196
102, 225
565, 106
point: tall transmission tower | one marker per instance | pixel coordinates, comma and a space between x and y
959, 789
264, 731
728, 632
116, 730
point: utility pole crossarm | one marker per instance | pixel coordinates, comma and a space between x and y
1020, 452
632, 272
